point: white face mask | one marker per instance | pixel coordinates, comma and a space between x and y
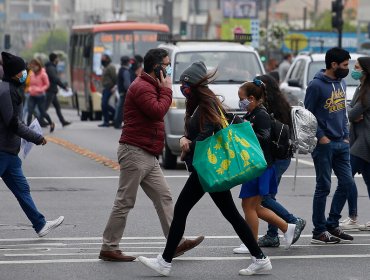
243, 104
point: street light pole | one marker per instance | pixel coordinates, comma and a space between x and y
267, 26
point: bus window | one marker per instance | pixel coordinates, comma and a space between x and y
72, 43
116, 44
144, 41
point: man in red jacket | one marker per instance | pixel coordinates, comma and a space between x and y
147, 102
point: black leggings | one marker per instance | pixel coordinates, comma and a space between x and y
189, 196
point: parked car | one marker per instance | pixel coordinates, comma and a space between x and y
235, 64
303, 70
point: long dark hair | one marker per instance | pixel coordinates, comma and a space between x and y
275, 101
203, 98
365, 86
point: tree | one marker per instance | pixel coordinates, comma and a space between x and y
47, 42
323, 22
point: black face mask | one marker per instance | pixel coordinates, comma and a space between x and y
104, 63
341, 73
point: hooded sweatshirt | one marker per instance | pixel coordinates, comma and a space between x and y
326, 99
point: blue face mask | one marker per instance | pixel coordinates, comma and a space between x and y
356, 74
243, 104
24, 77
169, 70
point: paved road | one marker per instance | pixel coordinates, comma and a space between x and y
76, 179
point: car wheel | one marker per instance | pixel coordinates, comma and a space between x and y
169, 160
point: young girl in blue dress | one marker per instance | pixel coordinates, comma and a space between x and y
252, 96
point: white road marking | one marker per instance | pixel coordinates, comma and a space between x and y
127, 249
188, 259
166, 176
152, 244
309, 163
143, 238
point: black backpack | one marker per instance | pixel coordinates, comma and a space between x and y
281, 143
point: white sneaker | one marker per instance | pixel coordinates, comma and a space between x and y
50, 225
257, 266
158, 264
349, 224
365, 226
242, 249
345, 220
289, 235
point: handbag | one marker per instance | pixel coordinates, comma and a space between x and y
228, 158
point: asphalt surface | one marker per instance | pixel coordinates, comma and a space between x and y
69, 183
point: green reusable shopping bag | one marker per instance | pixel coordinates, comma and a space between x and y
228, 158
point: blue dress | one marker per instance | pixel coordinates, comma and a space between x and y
262, 185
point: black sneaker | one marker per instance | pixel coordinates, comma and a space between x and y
300, 225
268, 241
339, 233
324, 238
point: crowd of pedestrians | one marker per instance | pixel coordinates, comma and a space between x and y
145, 96
129, 70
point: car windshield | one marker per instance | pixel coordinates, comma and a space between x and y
232, 67
315, 66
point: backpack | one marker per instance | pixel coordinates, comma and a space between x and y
304, 134
304, 130
281, 143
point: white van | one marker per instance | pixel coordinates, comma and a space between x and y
235, 64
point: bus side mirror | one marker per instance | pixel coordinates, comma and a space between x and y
87, 51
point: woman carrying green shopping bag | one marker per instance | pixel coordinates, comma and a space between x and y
202, 120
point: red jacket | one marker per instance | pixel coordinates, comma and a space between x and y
145, 106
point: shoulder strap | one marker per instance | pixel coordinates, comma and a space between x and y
224, 121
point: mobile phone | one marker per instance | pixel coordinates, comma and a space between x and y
157, 72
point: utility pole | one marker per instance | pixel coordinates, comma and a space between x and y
304, 18
168, 13
315, 10
267, 26
337, 19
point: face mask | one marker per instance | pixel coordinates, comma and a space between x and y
243, 104
185, 90
24, 77
169, 70
356, 74
104, 63
341, 73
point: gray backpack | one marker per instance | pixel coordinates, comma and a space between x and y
304, 126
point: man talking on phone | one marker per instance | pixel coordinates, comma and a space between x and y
147, 102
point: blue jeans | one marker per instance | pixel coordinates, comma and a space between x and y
360, 166
269, 201
12, 175
40, 102
118, 117
107, 109
327, 157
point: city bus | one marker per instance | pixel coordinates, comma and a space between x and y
89, 42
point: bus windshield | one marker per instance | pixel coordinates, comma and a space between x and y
121, 43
